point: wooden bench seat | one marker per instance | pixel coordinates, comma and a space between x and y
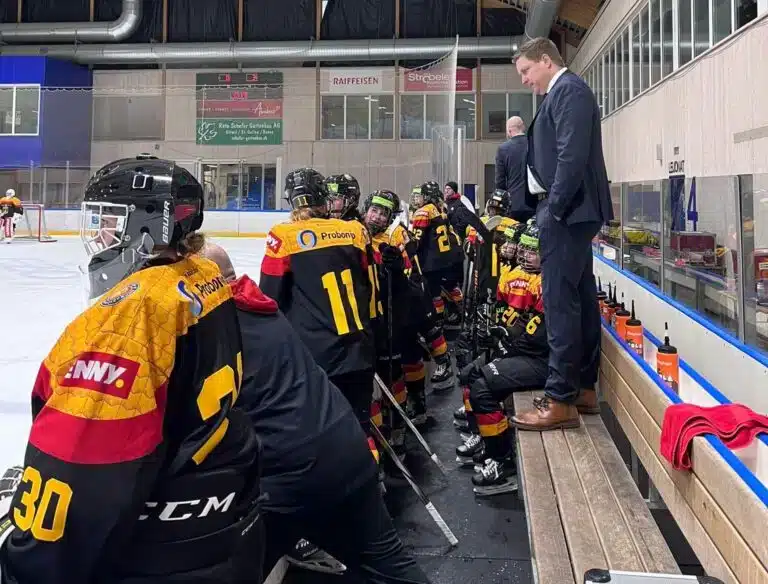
583, 508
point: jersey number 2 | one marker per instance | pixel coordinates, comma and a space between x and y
35, 509
331, 285
443, 243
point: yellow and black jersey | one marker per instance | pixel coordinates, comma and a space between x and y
319, 273
136, 395
437, 247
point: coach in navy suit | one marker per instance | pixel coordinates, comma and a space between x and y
511, 170
566, 173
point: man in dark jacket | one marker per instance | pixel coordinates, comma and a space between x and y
511, 169
318, 474
460, 213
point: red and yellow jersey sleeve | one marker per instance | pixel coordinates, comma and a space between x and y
520, 289
423, 217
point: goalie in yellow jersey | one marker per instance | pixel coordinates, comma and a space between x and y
137, 468
11, 210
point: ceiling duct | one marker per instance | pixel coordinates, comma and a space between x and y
273, 54
69, 32
540, 17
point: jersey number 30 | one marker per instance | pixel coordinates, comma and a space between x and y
34, 508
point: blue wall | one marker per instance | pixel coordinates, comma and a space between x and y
65, 115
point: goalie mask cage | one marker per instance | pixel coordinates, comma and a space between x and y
32, 225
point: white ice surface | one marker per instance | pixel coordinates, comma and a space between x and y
40, 293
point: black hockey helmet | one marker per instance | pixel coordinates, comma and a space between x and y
432, 192
305, 187
133, 211
343, 195
498, 203
528, 248
379, 209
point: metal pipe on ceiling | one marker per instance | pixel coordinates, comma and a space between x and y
273, 53
64, 32
540, 17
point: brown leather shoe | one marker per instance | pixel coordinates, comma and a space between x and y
587, 402
547, 414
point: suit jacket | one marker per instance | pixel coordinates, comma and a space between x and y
511, 175
565, 153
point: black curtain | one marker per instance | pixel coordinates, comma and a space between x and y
8, 10
437, 18
502, 22
358, 19
151, 24
55, 11
278, 20
202, 21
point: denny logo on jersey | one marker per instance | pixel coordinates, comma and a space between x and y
102, 372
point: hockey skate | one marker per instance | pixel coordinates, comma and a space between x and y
460, 419
443, 378
495, 478
472, 447
308, 556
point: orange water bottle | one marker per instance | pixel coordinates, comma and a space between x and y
601, 295
633, 333
620, 319
668, 362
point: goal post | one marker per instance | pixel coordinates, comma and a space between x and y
32, 226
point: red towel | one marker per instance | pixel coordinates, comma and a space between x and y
735, 424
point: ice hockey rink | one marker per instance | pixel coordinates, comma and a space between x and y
42, 291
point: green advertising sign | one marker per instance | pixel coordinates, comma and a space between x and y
239, 132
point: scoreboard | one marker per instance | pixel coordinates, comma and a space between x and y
239, 107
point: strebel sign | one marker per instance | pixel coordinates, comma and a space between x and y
416, 80
351, 81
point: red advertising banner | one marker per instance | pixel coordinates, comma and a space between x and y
249, 108
418, 80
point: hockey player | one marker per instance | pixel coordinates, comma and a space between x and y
317, 474
11, 210
138, 469
317, 270
522, 365
378, 212
343, 196
439, 256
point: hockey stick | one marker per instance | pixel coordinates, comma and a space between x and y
419, 437
419, 493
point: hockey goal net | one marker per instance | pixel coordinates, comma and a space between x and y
32, 225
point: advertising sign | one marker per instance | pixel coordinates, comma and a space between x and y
239, 108
352, 81
421, 80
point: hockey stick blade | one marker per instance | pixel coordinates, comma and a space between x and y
416, 488
419, 437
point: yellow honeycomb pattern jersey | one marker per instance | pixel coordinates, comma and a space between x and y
141, 383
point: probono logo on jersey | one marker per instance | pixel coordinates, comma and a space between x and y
102, 372
120, 296
306, 239
197, 305
274, 243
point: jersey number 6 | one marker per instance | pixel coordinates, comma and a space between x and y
35, 510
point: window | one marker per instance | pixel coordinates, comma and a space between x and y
667, 54
684, 30
641, 230
700, 26
420, 113
499, 107
645, 69
655, 41
357, 117
721, 19
20, 110
754, 242
626, 65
